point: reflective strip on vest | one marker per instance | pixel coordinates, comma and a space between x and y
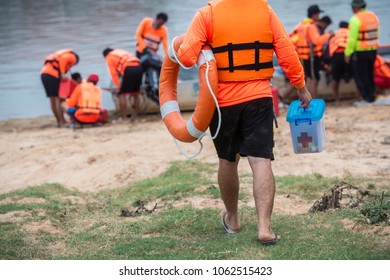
368, 32
151, 41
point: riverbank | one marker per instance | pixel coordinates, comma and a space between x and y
33, 151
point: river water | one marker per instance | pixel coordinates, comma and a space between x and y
30, 30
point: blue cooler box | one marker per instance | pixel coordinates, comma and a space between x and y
307, 126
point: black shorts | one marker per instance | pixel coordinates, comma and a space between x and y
246, 128
316, 67
340, 69
51, 85
131, 82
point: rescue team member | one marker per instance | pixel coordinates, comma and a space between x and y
85, 102
363, 44
298, 38
150, 33
124, 65
244, 36
339, 68
316, 39
55, 68
298, 35
381, 73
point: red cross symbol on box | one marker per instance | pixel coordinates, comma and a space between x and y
304, 139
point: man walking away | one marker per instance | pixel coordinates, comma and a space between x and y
244, 36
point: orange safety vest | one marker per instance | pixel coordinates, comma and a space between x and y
339, 42
380, 67
299, 39
368, 32
242, 40
90, 100
54, 58
151, 37
124, 59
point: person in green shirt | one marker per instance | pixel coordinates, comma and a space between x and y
362, 45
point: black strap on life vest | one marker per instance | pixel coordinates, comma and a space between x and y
363, 37
54, 62
256, 46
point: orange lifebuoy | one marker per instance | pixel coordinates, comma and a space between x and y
194, 128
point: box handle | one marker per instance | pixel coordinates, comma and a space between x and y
304, 120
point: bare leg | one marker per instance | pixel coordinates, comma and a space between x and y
122, 106
336, 92
229, 185
264, 193
134, 115
54, 109
60, 112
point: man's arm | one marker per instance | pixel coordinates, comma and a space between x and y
138, 34
196, 37
113, 73
72, 101
165, 41
354, 26
314, 36
288, 59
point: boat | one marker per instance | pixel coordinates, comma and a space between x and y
347, 89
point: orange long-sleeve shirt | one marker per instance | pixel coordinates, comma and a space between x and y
145, 30
200, 32
66, 61
314, 37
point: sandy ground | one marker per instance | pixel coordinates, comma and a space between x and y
33, 151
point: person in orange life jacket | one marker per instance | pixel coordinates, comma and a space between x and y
122, 64
339, 68
362, 45
55, 68
316, 39
85, 102
244, 47
381, 73
150, 33
298, 37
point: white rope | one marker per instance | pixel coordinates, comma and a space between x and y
216, 104
175, 55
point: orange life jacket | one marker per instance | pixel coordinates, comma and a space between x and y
242, 40
54, 58
151, 37
124, 59
368, 32
338, 43
299, 39
380, 67
90, 100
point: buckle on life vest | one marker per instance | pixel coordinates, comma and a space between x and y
256, 46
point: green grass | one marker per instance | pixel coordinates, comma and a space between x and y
67, 224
